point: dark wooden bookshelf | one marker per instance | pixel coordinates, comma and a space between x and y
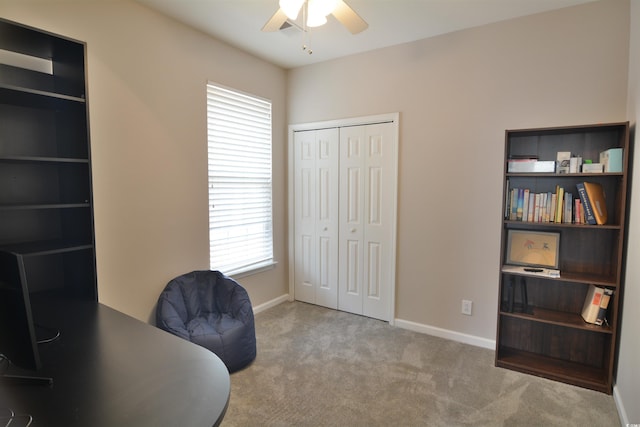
544, 334
46, 205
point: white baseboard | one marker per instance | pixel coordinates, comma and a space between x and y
262, 307
445, 333
622, 413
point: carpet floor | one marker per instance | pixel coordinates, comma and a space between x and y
321, 367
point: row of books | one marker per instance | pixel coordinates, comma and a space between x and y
561, 206
596, 304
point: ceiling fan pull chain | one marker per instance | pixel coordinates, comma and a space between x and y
305, 33
307, 46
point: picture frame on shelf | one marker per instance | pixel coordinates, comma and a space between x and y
533, 248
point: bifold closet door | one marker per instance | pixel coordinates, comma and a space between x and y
366, 210
316, 216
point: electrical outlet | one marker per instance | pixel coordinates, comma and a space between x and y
466, 307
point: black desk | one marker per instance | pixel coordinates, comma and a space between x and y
110, 369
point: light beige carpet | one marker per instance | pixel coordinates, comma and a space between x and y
320, 367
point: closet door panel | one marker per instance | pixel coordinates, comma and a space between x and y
304, 221
305, 268
379, 223
327, 141
350, 270
316, 217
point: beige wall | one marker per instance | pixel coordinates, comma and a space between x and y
147, 102
628, 376
456, 95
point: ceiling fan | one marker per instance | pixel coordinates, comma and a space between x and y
315, 14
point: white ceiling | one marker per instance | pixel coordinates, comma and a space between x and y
391, 22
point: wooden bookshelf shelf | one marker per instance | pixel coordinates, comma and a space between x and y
34, 159
39, 97
591, 377
528, 224
549, 337
555, 175
565, 276
561, 318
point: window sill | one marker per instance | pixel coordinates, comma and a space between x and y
253, 270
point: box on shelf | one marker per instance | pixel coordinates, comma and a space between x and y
611, 160
529, 165
592, 168
563, 159
574, 164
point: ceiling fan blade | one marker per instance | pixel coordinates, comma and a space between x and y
275, 22
349, 18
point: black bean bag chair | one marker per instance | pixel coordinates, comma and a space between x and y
211, 310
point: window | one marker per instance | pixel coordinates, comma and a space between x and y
240, 207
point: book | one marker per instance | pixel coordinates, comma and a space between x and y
591, 306
604, 304
568, 208
586, 205
547, 214
532, 206
520, 204
596, 304
559, 205
595, 193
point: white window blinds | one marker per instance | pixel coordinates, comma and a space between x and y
240, 204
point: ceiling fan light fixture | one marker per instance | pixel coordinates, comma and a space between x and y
323, 7
316, 20
315, 14
317, 11
291, 8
